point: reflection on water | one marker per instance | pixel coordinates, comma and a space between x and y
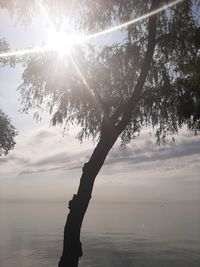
140, 235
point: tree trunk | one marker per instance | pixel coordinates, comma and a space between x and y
72, 249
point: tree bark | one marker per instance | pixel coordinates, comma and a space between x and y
72, 249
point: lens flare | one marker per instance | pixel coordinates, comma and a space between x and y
61, 42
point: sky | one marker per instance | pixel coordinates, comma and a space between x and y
46, 163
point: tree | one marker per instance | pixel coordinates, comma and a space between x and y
150, 76
7, 134
7, 130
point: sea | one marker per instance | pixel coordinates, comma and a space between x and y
113, 234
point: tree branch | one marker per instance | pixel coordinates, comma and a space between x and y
128, 108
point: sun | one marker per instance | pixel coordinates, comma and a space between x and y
62, 42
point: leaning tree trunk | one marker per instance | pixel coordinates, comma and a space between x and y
72, 249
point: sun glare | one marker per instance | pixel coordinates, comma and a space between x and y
62, 42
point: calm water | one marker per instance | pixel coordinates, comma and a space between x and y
140, 235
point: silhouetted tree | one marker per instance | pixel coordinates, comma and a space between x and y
148, 77
7, 134
7, 130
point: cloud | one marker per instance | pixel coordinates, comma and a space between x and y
64, 161
143, 151
45, 159
45, 149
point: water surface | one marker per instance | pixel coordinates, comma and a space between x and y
113, 234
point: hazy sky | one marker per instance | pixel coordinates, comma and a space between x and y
44, 165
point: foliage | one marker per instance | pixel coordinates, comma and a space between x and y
7, 130
170, 96
7, 134
7, 61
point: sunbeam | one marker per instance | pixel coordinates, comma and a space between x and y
91, 93
61, 42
